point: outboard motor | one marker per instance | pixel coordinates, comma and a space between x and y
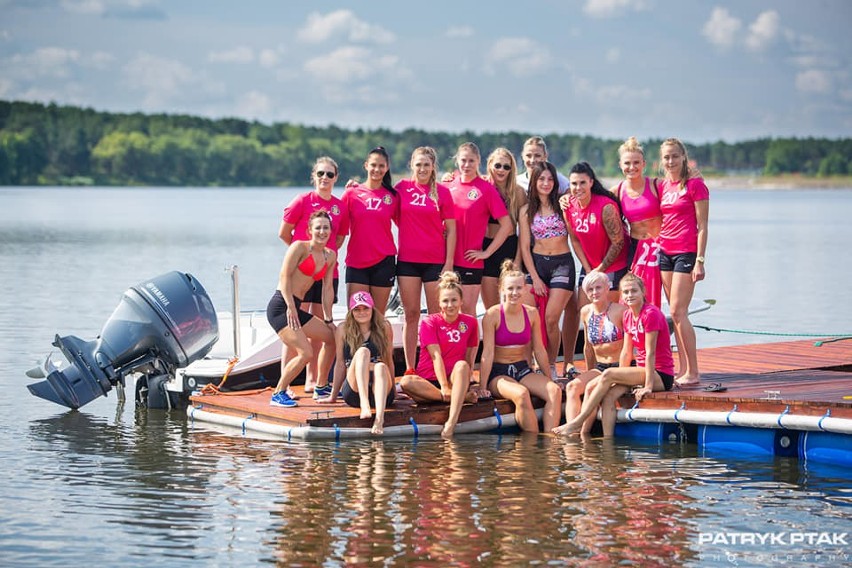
162, 323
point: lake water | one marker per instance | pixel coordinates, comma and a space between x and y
111, 485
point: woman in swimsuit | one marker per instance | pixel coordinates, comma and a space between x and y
448, 344
506, 354
604, 329
640, 204
305, 263
501, 172
427, 242
645, 328
546, 253
364, 358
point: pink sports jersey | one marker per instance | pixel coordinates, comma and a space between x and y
371, 212
300, 209
679, 233
454, 339
650, 319
421, 222
644, 207
589, 229
646, 265
474, 203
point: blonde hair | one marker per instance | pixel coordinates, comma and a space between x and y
508, 270
450, 280
631, 145
510, 191
378, 332
536, 141
470, 147
686, 172
593, 278
430, 153
324, 160
629, 278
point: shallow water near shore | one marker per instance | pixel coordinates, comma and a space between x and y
113, 485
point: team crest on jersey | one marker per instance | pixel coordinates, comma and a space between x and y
472, 194
387, 199
593, 219
462, 327
335, 210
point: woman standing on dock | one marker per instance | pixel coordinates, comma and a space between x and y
597, 232
371, 254
685, 204
547, 255
640, 204
501, 172
475, 201
448, 344
645, 328
505, 365
604, 328
305, 264
427, 242
365, 360
294, 227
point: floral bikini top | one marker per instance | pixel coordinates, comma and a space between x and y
548, 226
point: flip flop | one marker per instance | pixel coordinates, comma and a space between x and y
714, 387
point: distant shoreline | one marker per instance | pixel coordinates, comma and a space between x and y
766, 182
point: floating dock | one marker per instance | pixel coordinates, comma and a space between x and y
789, 398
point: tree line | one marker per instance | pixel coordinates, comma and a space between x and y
65, 145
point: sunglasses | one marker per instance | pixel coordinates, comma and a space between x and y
321, 173
506, 167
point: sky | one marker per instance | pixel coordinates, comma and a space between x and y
699, 70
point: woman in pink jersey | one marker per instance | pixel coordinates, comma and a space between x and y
685, 204
597, 232
475, 201
427, 242
640, 204
294, 227
371, 253
448, 344
511, 333
501, 171
547, 254
645, 328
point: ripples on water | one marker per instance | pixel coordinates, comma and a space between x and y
113, 486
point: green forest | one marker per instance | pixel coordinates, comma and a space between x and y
65, 145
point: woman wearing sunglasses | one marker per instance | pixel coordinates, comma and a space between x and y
294, 227
501, 171
371, 253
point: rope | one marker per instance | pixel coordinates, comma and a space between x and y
210, 388
838, 336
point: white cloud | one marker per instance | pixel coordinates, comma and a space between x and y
241, 54
46, 61
321, 27
350, 63
763, 30
610, 8
254, 104
6, 87
459, 32
96, 7
613, 55
268, 58
522, 56
721, 29
164, 80
813, 81
99, 60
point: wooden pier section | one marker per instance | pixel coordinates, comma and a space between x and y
795, 376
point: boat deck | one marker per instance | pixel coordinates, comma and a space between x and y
797, 377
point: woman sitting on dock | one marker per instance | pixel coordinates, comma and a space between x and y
364, 358
305, 263
506, 354
604, 329
645, 328
449, 340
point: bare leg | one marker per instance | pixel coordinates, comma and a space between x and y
381, 387
590, 421
490, 291
380, 295
460, 381
409, 293
470, 298
419, 389
682, 288
570, 330
520, 396
550, 393
299, 353
361, 373
574, 390
556, 304
608, 410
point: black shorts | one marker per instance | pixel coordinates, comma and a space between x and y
353, 398
507, 250
276, 312
381, 274
604, 366
469, 276
668, 380
557, 270
425, 271
683, 263
314, 295
517, 370
613, 277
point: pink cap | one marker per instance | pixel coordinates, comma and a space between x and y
361, 299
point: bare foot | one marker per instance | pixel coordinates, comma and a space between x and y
448, 430
365, 413
566, 429
309, 386
688, 381
471, 397
378, 427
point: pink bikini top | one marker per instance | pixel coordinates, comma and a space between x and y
503, 337
642, 208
